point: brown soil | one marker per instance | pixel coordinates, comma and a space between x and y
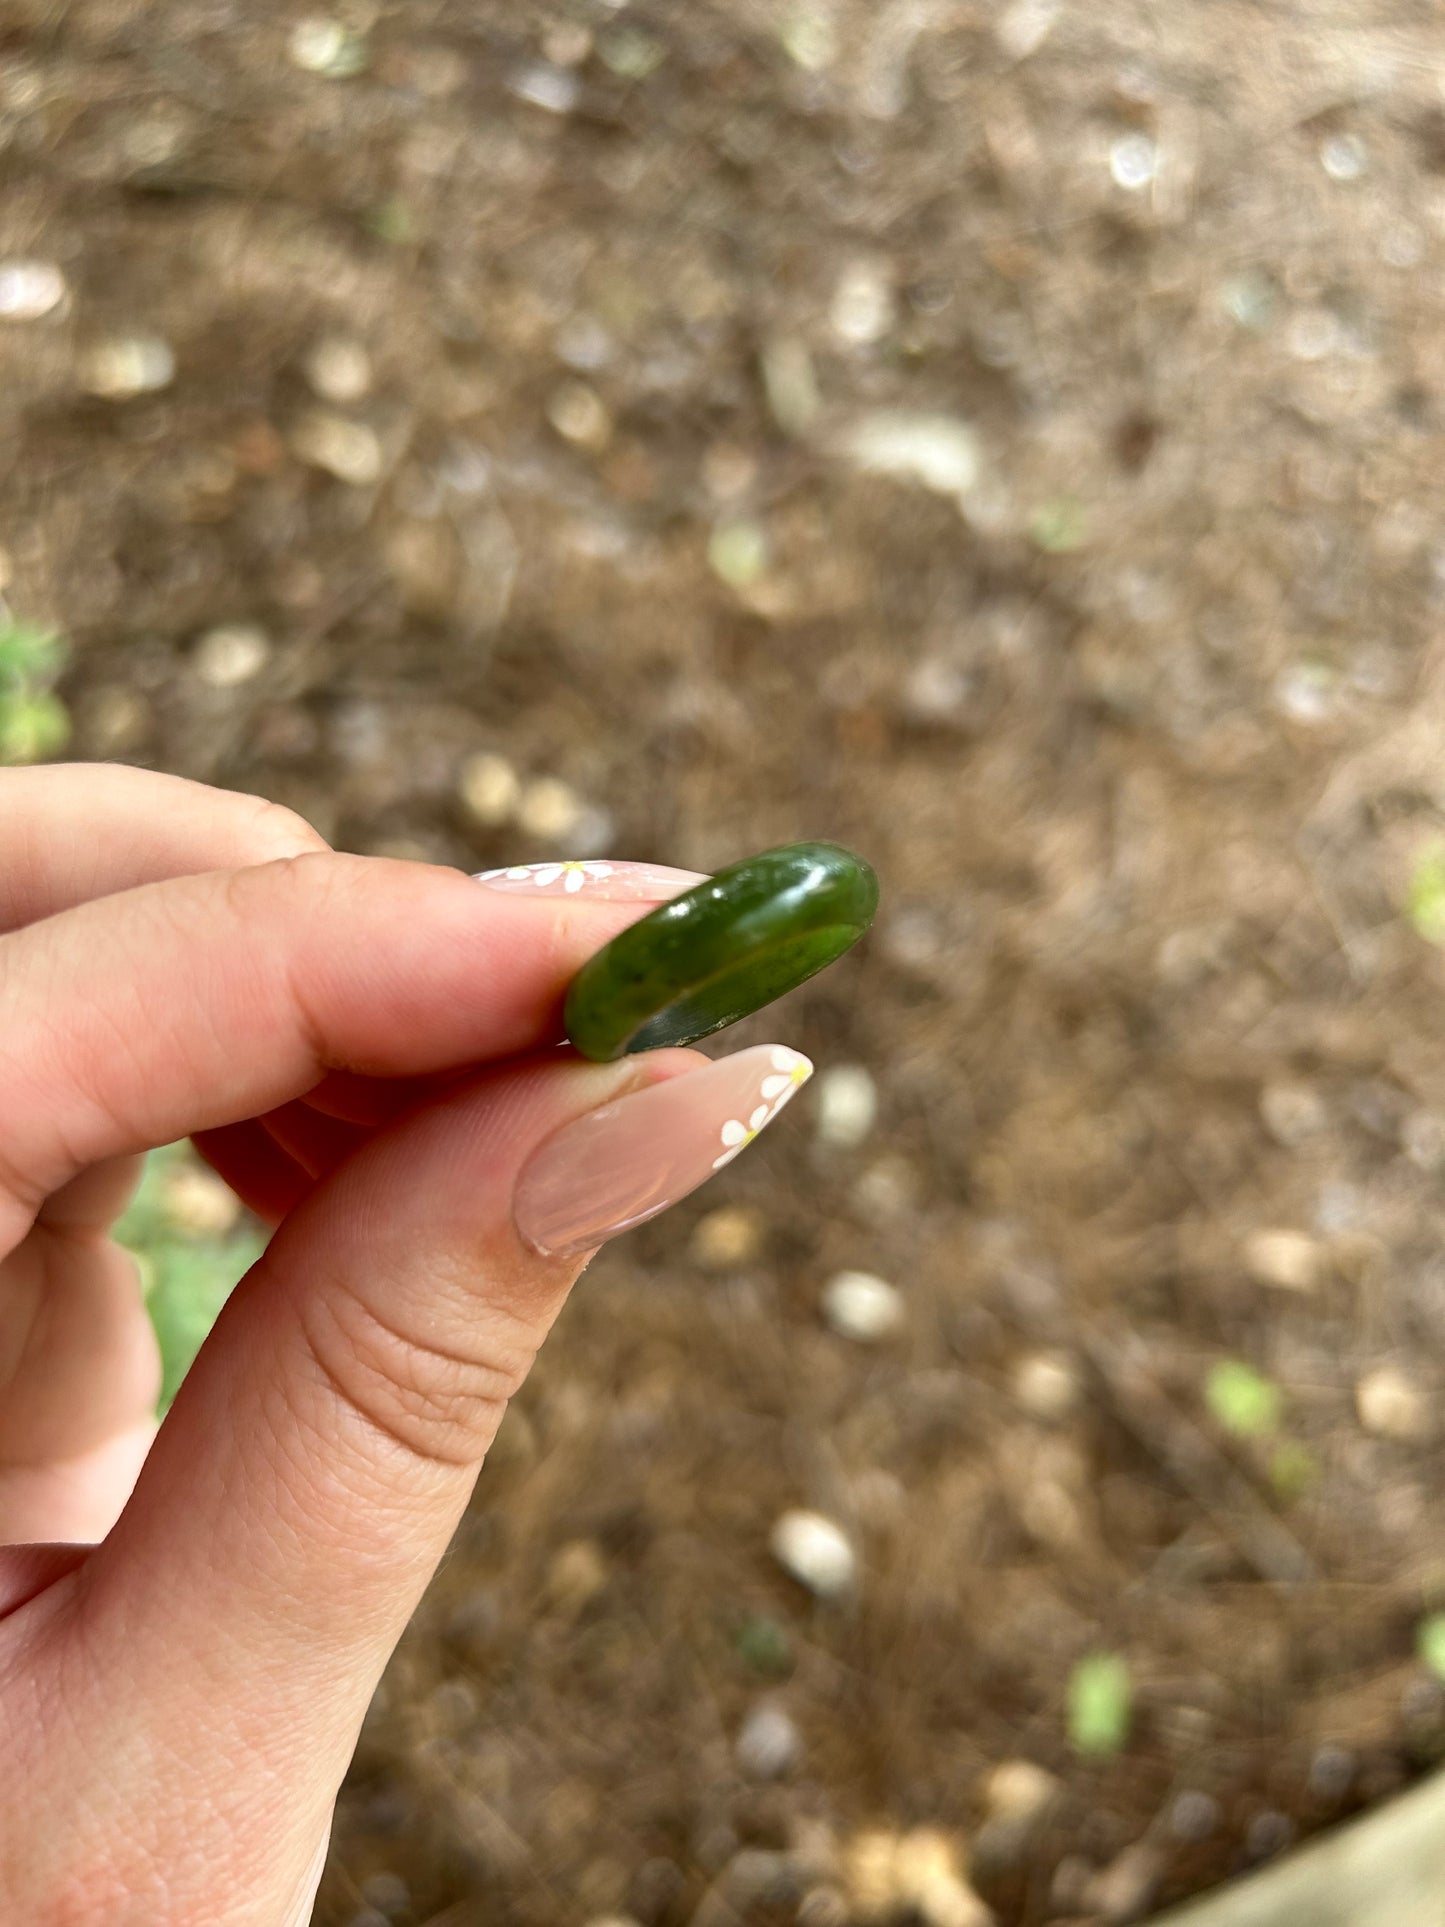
1143, 738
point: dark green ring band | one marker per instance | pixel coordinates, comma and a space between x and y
721, 950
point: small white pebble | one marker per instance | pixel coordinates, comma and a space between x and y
1248, 298
128, 365
1343, 157
936, 451
1306, 692
320, 45
1133, 161
550, 809
1047, 1385
231, 654
579, 415
30, 289
554, 89
861, 1307
846, 1105
790, 382
1313, 333
816, 1552
1391, 1405
809, 40
1024, 25
863, 308
1019, 1789
489, 788
914, 1876
937, 690
347, 450
339, 370
1286, 1260
769, 1744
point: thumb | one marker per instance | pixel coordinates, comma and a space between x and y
319, 1455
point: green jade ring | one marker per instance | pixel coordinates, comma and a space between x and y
721, 950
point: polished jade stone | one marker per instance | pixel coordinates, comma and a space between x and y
721, 950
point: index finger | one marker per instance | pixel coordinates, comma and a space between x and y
75, 831
196, 1002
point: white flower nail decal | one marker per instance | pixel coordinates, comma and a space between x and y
571, 875
790, 1070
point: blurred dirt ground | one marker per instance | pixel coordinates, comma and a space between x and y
1004, 439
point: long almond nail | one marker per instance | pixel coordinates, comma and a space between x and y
623, 1163
613, 882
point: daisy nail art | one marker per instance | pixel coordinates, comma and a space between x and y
609, 882
624, 1162
789, 1070
572, 876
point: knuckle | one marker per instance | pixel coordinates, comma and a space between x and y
436, 1404
303, 876
272, 830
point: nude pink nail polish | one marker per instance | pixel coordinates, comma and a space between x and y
609, 881
625, 1162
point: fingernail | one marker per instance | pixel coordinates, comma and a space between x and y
612, 882
623, 1163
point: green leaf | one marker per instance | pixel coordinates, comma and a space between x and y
188, 1275
143, 1222
738, 553
1430, 1643
1059, 527
190, 1287
1243, 1400
765, 1645
32, 728
1426, 906
1100, 1704
29, 653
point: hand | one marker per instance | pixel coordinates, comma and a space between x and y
366, 1051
